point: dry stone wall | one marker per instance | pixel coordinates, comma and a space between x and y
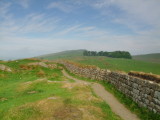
144, 92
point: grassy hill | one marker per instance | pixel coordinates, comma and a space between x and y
62, 55
106, 62
32, 91
155, 57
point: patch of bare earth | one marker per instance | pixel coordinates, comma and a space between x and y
32, 92
73, 85
91, 113
68, 112
82, 91
3, 76
26, 85
56, 109
2, 99
5, 68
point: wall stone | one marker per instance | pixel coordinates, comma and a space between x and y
144, 92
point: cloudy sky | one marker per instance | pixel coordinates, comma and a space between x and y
35, 27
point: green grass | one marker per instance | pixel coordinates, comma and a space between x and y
9, 85
118, 64
141, 112
22, 91
106, 109
154, 57
11, 81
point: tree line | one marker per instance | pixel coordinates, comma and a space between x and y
115, 54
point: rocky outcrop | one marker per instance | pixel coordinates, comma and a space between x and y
42, 64
144, 92
5, 68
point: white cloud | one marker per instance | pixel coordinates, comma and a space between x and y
31, 23
82, 32
24, 3
136, 14
102, 3
38, 23
64, 7
4, 9
146, 10
69, 30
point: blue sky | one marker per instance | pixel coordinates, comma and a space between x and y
34, 27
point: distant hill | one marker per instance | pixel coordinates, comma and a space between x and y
155, 57
63, 55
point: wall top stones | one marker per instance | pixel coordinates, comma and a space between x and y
147, 76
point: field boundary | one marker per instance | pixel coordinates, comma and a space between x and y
115, 105
145, 93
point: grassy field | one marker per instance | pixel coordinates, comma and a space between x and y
33, 92
118, 64
155, 57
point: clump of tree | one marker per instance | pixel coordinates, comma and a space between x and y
115, 54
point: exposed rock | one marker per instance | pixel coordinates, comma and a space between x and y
42, 64
135, 85
5, 68
52, 66
52, 98
32, 92
3, 99
157, 94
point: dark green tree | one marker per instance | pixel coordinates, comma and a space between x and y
115, 54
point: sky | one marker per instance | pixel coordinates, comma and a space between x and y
30, 28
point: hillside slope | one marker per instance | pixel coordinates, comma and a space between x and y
31, 89
109, 63
155, 57
62, 55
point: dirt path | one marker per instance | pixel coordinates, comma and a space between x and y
115, 105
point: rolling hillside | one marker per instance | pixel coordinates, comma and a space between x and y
62, 55
155, 57
34, 90
106, 62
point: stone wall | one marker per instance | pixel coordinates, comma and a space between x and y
144, 92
